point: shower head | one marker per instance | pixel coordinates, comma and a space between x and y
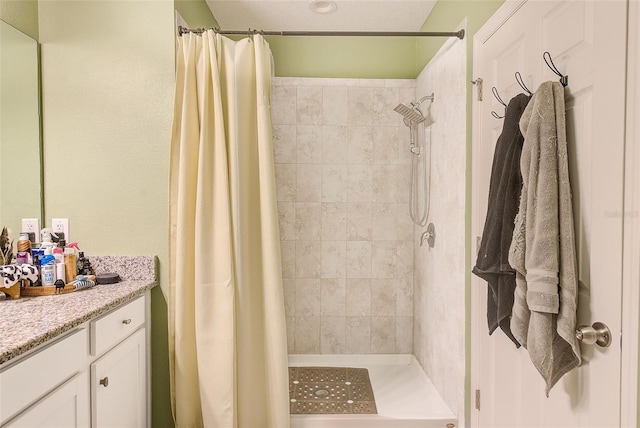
412, 116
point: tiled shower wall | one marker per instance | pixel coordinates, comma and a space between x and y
342, 175
439, 340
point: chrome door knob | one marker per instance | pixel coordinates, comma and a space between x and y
598, 334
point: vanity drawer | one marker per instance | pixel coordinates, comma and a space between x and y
116, 326
34, 376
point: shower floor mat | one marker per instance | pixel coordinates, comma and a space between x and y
330, 390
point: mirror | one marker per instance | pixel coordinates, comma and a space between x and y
21, 192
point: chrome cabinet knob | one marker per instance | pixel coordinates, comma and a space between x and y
127, 321
598, 334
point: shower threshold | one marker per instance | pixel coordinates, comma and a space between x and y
404, 395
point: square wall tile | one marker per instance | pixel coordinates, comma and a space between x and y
335, 105
383, 335
384, 222
289, 292
384, 101
333, 297
358, 335
291, 334
358, 297
404, 335
359, 183
385, 145
334, 144
333, 259
309, 105
287, 220
308, 256
404, 260
404, 297
359, 219
334, 221
383, 297
404, 182
288, 257
283, 105
308, 217
307, 335
309, 183
359, 259
360, 144
383, 259
332, 335
334, 183
286, 182
307, 297
284, 144
385, 183
405, 224
360, 106
309, 144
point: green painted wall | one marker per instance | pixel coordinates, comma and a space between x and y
108, 77
21, 14
196, 13
356, 57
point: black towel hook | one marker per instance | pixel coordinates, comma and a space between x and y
521, 83
547, 58
495, 94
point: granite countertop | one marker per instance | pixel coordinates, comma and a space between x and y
30, 321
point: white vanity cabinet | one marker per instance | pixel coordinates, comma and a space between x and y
65, 406
95, 376
119, 377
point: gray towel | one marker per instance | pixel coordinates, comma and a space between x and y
505, 184
543, 247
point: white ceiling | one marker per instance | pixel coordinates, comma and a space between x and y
350, 15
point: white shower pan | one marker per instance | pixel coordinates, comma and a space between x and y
405, 397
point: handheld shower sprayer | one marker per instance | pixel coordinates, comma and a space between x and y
418, 197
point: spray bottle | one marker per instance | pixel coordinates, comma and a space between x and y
45, 241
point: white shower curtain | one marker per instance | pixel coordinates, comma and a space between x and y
227, 333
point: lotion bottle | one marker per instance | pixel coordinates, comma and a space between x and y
48, 270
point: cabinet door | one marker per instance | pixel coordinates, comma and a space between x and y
65, 407
118, 385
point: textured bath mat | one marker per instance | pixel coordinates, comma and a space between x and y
330, 390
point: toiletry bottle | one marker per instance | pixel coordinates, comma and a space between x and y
24, 249
70, 266
48, 271
38, 254
84, 265
59, 263
45, 241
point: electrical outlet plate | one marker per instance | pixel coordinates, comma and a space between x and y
31, 225
61, 225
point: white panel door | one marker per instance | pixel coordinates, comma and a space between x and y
587, 41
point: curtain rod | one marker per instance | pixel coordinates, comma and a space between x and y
459, 34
